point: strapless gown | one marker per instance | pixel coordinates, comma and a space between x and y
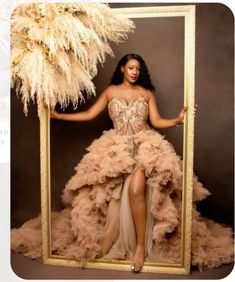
97, 205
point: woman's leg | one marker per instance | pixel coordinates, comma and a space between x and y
138, 208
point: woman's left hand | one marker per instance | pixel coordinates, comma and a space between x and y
180, 117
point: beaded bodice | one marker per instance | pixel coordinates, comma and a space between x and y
128, 119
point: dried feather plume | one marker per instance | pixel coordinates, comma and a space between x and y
55, 49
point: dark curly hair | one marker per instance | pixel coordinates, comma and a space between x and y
144, 77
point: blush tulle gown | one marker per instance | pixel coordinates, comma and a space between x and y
97, 205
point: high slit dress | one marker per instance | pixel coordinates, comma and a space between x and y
97, 207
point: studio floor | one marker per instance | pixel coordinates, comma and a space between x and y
31, 269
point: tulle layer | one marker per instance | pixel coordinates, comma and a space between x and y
79, 229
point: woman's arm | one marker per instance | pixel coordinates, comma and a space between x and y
157, 121
89, 114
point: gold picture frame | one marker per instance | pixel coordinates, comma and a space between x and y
188, 13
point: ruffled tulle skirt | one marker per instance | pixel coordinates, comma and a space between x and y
97, 207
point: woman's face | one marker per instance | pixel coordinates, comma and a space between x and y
131, 70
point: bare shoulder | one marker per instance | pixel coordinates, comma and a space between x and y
148, 94
110, 91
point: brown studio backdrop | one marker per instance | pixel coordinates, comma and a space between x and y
161, 45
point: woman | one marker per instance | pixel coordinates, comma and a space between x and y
124, 202
130, 89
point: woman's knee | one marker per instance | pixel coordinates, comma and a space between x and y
137, 184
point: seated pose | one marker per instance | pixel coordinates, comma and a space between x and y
124, 201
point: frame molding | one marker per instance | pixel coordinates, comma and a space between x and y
188, 12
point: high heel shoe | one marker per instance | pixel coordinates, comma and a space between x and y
135, 268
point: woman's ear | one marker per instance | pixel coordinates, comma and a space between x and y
122, 69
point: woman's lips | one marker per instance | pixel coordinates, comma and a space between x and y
133, 77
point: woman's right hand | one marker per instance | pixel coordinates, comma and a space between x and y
54, 114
